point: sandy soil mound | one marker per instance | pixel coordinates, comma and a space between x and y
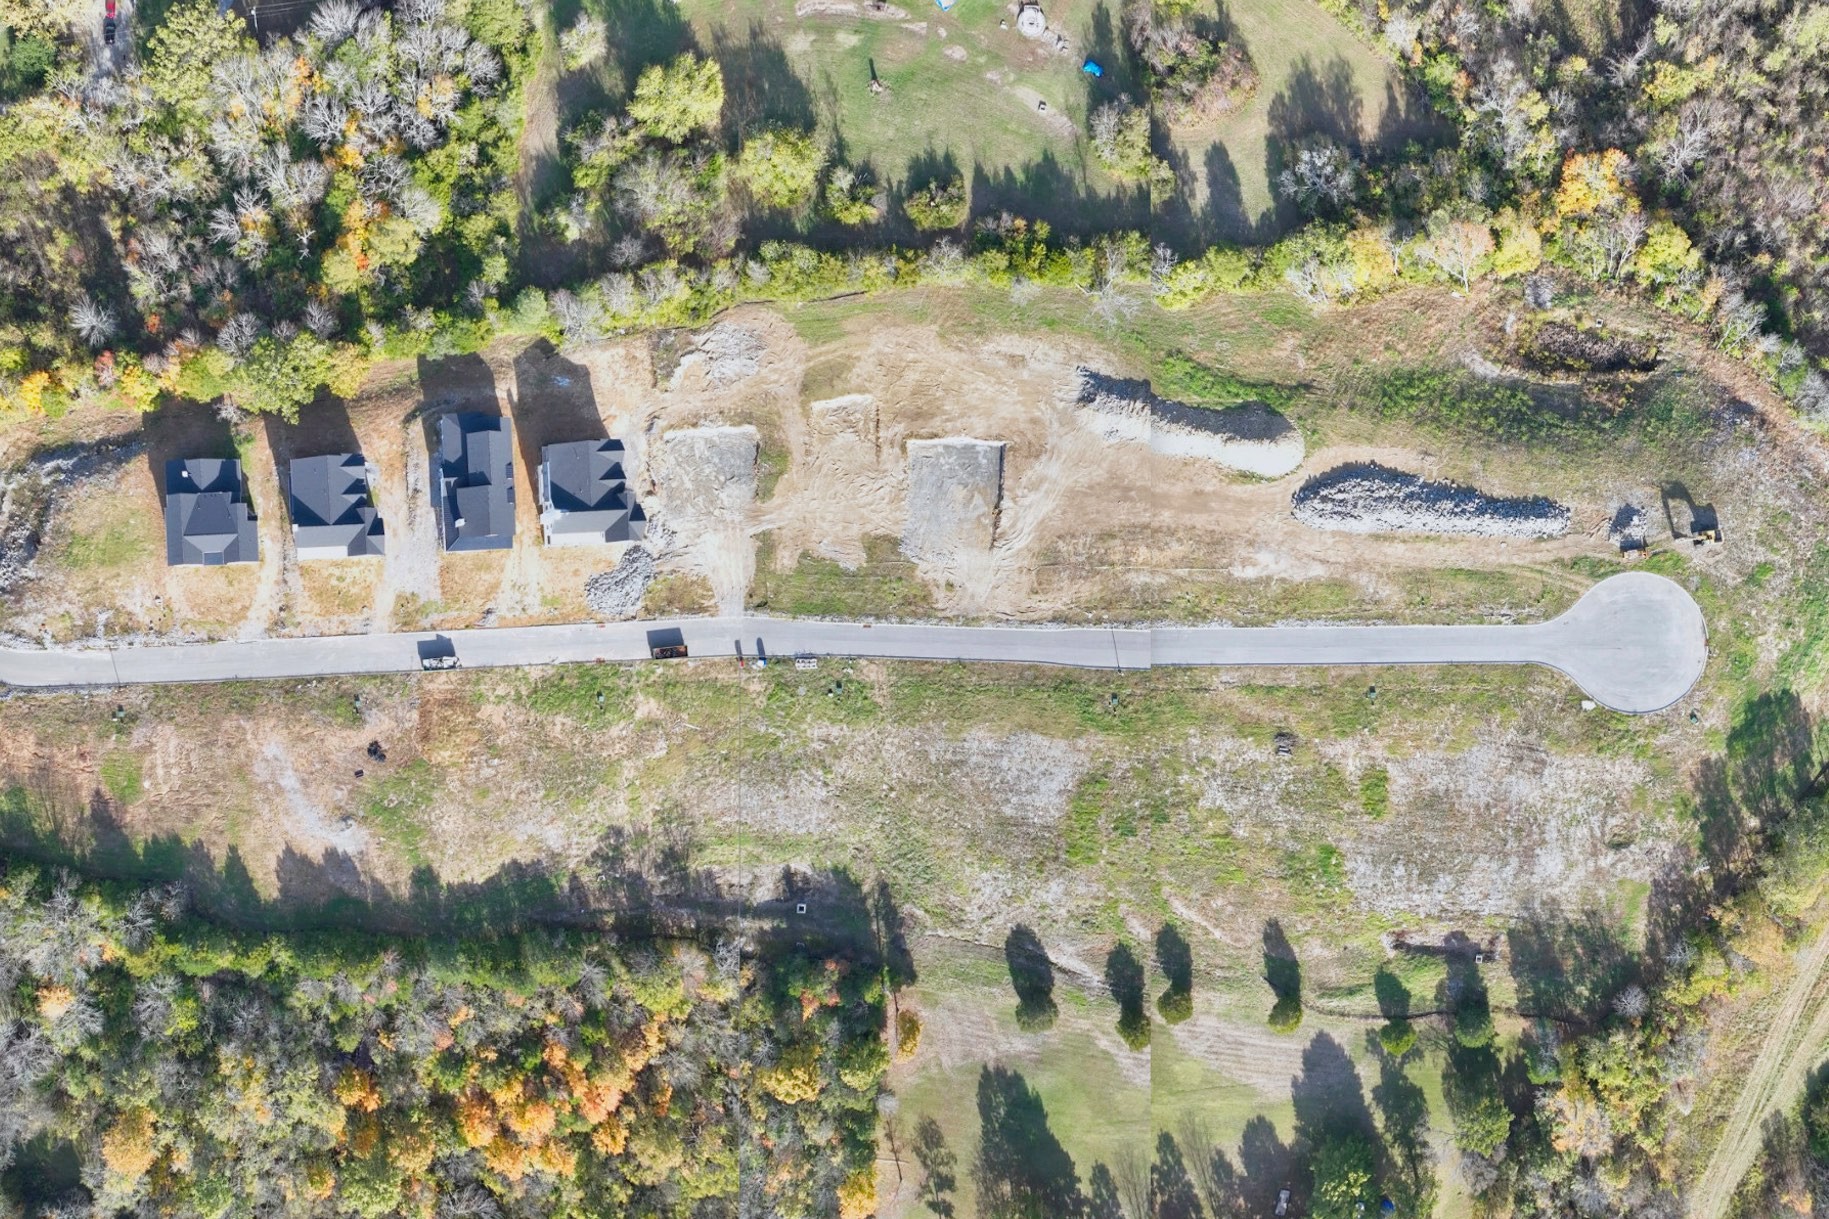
1250, 439
1368, 498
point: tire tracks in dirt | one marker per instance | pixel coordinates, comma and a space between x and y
1777, 1076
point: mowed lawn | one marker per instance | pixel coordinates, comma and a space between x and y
964, 92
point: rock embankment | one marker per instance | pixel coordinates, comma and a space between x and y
1250, 439
1369, 498
618, 592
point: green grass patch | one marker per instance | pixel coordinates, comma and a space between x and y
121, 777
595, 694
114, 545
1375, 792
1049, 702
396, 805
883, 585
1181, 377
1084, 812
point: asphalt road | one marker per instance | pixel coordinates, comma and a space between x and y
1634, 642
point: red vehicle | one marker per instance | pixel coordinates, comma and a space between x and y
108, 22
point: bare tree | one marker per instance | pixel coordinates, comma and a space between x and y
1321, 175
1455, 247
1131, 1172
94, 323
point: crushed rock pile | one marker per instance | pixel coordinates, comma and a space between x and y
1250, 439
1369, 498
1629, 529
618, 592
28, 497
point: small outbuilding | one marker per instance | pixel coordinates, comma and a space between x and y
584, 496
474, 469
333, 516
207, 519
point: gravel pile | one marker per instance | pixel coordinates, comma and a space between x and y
1250, 439
617, 593
1629, 529
1367, 498
29, 494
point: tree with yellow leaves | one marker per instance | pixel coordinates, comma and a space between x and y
1595, 183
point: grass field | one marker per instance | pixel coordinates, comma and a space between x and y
964, 93
1315, 75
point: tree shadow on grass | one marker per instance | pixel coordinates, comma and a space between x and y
1032, 976
644, 32
939, 1167
1175, 958
1171, 1185
1125, 978
641, 884
1266, 1164
1058, 192
760, 84
1568, 965
1328, 1096
1021, 1167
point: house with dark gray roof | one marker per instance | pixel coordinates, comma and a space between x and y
474, 469
584, 498
332, 515
207, 519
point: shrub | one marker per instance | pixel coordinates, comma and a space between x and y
1133, 1027
780, 167
938, 205
1219, 269
850, 197
1286, 1015
907, 1034
1175, 1005
1120, 140
680, 99
585, 42
1398, 1038
1036, 1013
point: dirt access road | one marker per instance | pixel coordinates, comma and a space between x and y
1635, 642
1791, 1051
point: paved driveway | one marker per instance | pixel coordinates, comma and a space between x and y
1634, 642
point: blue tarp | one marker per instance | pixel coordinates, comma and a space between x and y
1091, 68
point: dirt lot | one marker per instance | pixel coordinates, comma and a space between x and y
833, 446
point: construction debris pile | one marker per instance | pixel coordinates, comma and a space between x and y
618, 592
1250, 439
1370, 498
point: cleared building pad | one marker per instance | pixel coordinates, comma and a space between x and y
954, 487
